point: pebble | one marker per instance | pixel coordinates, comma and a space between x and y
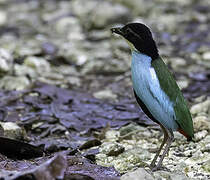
112, 149
6, 61
105, 94
95, 14
206, 56
138, 174
206, 166
13, 131
201, 107
170, 175
14, 83
39, 64
70, 27
201, 123
177, 62
200, 135
3, 17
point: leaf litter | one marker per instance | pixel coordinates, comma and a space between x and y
57, 119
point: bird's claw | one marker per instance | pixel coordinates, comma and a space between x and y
156, 168
152, 166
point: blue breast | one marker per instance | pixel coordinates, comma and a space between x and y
147, 88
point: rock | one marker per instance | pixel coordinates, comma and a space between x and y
200, 135
24, 70
206, 56
31, 48
177, 62
128, 131
52, 78
3, 17
39, 64
169, 22
130, 128
201, 107
70, 27
206, 140
138, 174
13, 131
183, 83
177, 175
6, 61
112, 135
206, 166
126, 161
98, 35
99, 15
201, 123
98, 66
2, 2
205, 144
49, 48
74, 54
14, 83
105, 94
112, 149
136, 6
200, 98
73, 81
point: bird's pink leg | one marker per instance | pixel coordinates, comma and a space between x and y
168, 144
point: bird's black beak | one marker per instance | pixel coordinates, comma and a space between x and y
117, 31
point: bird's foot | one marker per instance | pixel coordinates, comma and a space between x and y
152, 165
157, 168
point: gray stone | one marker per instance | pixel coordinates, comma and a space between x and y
13, 131
112, 149
73, 80
40, 65
3, 17
183, 83
70, 27
105, 94
129, 128
95, 14
6, 61
176, 175
105, 67
201, 122
206, 56
200, 135
127, 132
74, 53
177, 62
29, 48
14, 83
23, 70
136, 6
206, 166
139, 174
129, 160
201, 107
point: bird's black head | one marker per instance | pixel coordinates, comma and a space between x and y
140, 37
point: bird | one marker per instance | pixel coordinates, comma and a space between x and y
155, 88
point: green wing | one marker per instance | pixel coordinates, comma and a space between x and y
170, 87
